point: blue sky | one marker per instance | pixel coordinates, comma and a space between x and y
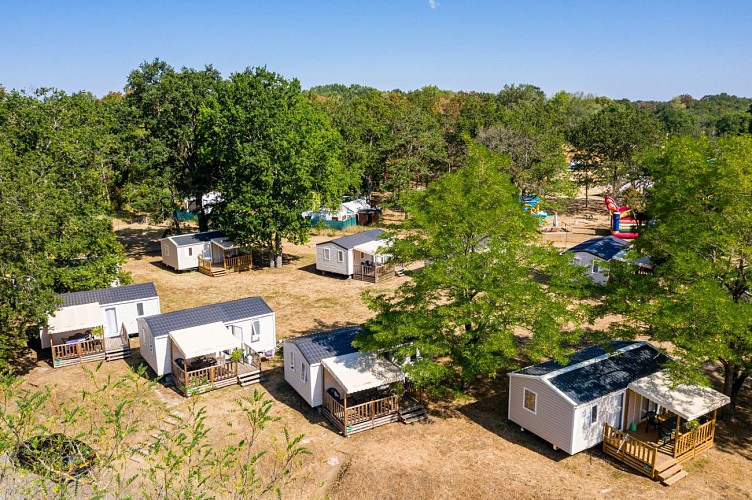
635, 49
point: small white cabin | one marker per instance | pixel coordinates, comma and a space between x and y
250, 322
359, 256
182, 251
70, 331
595, 253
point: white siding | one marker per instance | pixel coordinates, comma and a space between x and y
169, 253
315, 379
268, 338
587, 435
305, 389
552, 420
186, 261
332, 265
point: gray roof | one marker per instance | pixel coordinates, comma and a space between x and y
182, 240
604, 248
590, 378
318, 346
349, 242
226, 312
112, 295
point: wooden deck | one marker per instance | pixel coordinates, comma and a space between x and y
660, 459
217, 376
239, 263
373, 274
95, 349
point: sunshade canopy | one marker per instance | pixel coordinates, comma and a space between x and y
360, 371
687, 401
73, 318
371, 247
205, 339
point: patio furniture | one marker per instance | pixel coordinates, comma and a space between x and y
650, 420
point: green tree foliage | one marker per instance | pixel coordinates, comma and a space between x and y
699, 297
278, 157
143, 449
169, 103
55, 170
483, 284
607, 143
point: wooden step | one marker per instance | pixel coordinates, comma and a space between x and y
676, 477
667, 473
399, 271
121, 354
664, 466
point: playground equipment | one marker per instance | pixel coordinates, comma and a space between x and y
624, 221
531, 204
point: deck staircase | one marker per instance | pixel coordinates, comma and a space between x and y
412, 413
671, 474
248, 374
399, 271
122, 353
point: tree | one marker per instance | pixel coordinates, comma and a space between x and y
278, 158
700, 295
483, 284
169, 103
609, 141
57, 237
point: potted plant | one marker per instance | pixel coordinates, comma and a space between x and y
237, 355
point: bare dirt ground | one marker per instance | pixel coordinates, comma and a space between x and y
467, 448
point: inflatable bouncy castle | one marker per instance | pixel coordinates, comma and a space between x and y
531, 204
624, 221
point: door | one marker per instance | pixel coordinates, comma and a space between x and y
617, 412
111, 329
237, 331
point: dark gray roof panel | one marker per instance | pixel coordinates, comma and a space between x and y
604, 248
112, 295
349, 242
578, 357
614, 373
182, 240
318, 346
235, 310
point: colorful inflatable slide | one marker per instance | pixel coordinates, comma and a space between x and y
624, 222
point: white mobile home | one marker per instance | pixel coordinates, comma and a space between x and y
182, 251
114, 311
195, 345
355, 390
622, 398
359, 256
595, 253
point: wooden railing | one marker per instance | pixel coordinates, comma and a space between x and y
77, 350
204, 265
252, 356
239, 262
686, 443
362, 412
640, 456
413, 392
188, 381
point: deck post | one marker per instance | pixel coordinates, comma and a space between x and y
345, 405
52, 346
211, 374
78, 350
373, 412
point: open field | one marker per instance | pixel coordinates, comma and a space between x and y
467, 449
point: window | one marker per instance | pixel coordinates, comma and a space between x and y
327, 254
303, 372
166, 250
577, 261
596, 267
190, 251
647, 406
340, 256
256, 334
292, 361
237, 332
530, 400
140, 309
594, 415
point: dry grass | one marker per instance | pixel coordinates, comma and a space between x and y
467, 449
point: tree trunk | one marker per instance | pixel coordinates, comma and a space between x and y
278, 250
270, 254
587, 192
203, 220
176, 222
733, 380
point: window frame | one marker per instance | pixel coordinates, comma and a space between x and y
255, 331
190, 251
139, 309
327, 254
525, 390
593, 416
303, 372
340, 256
292, 361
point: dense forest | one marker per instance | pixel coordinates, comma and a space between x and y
69, 162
